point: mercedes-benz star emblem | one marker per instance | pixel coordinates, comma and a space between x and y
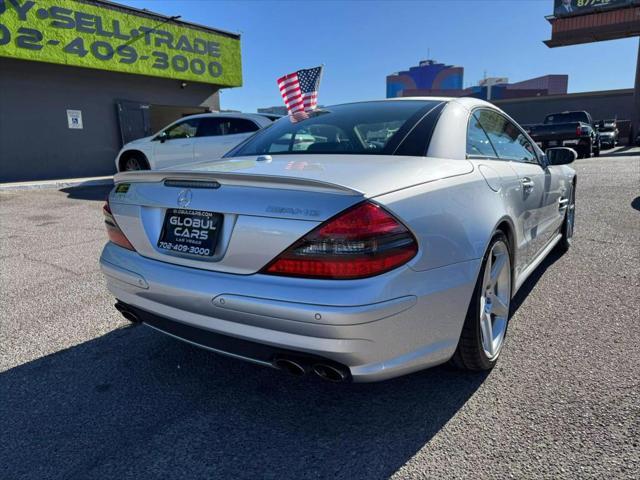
184, 198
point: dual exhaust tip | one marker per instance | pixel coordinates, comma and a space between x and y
300, 368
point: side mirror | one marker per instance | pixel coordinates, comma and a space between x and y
561, 156
162, 137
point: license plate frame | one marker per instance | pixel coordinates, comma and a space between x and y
182, 234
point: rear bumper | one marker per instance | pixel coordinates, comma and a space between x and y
580, 143
379, 328
250, 351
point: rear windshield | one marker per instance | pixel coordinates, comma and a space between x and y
357, 128
569, 117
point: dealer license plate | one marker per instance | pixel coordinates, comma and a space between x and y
190, 231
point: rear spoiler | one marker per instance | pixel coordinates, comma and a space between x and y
191, 179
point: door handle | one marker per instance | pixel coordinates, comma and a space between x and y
527, 184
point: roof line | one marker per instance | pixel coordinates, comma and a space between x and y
594, 93
157, 16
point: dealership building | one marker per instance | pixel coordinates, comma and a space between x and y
79, 78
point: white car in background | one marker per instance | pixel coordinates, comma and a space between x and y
204, 136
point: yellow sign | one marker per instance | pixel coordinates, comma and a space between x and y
109, 37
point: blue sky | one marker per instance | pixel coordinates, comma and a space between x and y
360, 42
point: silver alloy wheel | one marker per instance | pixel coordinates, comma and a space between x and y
132, 163
495, 299
571, 214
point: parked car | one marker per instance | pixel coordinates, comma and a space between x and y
353, 260
608, 130
570, 129
196, 137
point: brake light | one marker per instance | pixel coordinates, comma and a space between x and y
360, 242
579, 131
113, 230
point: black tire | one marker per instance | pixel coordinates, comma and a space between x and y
469, 354
568, 225
133, 162
588, 151
596, 150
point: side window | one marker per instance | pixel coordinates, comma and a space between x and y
477, 141
185, 129
507, 139
210, 127
241, 125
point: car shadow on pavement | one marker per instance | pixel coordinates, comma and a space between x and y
93, 192
137, 404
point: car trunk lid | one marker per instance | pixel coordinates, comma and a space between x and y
264, 205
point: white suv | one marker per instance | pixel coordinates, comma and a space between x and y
196, 137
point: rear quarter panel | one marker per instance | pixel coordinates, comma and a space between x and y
453, 219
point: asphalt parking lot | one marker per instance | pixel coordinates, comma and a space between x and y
85, 395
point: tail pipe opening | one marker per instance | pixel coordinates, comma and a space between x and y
126, 312
293, 366
331, 373
301, 366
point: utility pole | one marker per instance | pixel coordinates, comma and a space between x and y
635, 121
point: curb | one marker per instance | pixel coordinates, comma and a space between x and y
56, 184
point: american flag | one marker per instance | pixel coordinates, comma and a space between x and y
299, 90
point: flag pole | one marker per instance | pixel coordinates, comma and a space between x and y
320, 80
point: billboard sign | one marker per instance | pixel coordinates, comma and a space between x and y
567, 8
108, 37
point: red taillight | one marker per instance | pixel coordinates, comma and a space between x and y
363, 241
579, 131
113, 231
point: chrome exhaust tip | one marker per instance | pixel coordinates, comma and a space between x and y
126, 313
330, 373
293, 367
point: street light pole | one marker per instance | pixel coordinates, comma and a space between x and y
635, 121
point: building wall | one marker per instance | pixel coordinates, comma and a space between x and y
493, 89
554, 84
426, 76
35, 141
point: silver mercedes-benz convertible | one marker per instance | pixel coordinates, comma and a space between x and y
363, 242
